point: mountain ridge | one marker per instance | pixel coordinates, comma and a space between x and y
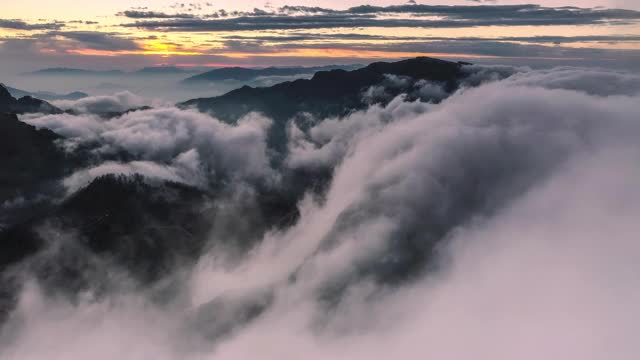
26, 104
245, 74
328, 93
45, 95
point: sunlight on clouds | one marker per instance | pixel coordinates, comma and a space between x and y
370, 41
345, 53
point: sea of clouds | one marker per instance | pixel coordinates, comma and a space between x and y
522, 191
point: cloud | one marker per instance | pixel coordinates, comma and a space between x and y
356, 36
118, 102
445, 227
515, 155
98, 40
378, 93
67, 125
326, 144
538, 51
489, 48
135, 14
67, 49
393, 85
430, 90
21, 25
266, 48
185, 169
176, 140
569, 39
593, 81
288, 18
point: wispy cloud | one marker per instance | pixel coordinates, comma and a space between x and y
425, 16
136, 14
22, 25
312, 35
98, 40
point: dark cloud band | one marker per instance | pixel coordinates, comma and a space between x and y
298, 17
21, 25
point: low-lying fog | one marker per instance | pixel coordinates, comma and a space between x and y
526, 187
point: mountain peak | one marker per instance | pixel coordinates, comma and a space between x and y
247, 74
329, 92
4, 93
26, 104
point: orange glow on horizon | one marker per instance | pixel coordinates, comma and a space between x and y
107, 37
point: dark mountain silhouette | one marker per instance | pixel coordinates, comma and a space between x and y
31, 164
111, 114
32, 159
46, 95
163, 70
328, 93
26, 104
248, 74
145, 228
26, 153
152, 70
132, 221
74, 72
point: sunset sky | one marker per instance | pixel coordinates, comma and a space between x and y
123, 34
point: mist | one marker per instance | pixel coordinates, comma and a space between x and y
160, 86
496, 223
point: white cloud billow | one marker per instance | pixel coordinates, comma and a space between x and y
164, 136
528, 185
118, 102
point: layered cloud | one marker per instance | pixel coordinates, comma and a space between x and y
137, 14
592, 81
300, 17
23, 25
446, 226
99, 40
491, 273
167, 143
306, 35
118, 102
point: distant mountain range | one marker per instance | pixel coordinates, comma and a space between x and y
215, 75
165, 70
155, 70
247, 74
45, 95
74, 72
327, 93
330, 93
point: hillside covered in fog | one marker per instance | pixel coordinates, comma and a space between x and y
418, 208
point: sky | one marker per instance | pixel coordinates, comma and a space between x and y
126, 35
